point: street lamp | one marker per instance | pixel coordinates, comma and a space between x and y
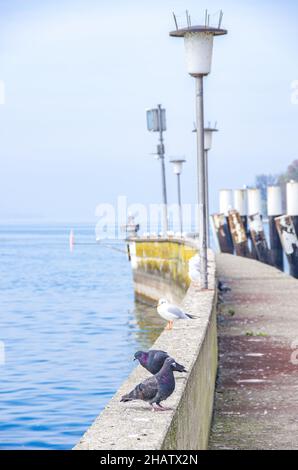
156, 122
198, 42
177, 167
208, 131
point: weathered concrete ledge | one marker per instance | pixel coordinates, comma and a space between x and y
193, 343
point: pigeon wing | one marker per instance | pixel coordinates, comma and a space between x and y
148, 388
156, 360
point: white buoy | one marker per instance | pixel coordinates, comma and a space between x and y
254, 202
274, 201
292, 198
240, 201
225, 201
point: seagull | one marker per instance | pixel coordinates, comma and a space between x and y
171, 312
153, 360
156, 388
194, 269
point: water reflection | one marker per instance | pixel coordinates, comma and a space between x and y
146, 325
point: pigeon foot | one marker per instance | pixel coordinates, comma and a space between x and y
157, 407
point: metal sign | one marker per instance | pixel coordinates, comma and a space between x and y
156, 120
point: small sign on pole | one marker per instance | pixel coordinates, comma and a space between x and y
156, 120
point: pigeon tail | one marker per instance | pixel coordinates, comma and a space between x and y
179, 368
133, 395
126, 397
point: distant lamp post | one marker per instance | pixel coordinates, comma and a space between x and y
177, 167
198, 42
208, 132
156, 122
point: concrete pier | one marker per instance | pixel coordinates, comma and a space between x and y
256, 403
161, 267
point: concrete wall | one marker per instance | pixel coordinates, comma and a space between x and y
160, 268
191, 342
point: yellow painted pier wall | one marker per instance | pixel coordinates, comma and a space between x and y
158, 265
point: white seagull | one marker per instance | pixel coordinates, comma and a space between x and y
171, 312
194, 268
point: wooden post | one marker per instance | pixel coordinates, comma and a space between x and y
292, 202
254, 206
288, 237
258, 238
240, 205
238, 233
222, 232
225, 204
274, 209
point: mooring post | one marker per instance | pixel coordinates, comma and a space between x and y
289, 240
222, 233
258, 238
274, 209
225, 205
238, 233
292, 202
240, 205
254, 206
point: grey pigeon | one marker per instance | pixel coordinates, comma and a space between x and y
153, 360
156, 388
222, 287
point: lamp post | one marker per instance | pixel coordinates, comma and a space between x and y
177, 167
198, 42
208, 131
156, 122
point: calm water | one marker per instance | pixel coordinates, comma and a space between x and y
69, 326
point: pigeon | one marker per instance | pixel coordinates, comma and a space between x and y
171, 312
153, 360
222, 287
156, 388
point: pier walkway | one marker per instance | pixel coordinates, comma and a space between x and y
256, 401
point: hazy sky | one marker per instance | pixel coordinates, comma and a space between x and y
79, 75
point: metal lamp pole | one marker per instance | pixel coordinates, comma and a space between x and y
208, 131
178, 170
207, 196
198, 42
201, 180
156, 122
161, 154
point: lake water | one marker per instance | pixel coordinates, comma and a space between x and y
69, 327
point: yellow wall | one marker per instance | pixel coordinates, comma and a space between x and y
167, 259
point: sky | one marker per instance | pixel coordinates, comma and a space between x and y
79, 75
